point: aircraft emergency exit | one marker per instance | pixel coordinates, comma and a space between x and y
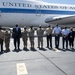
35, 13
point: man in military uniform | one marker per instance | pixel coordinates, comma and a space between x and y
1, 39
7, 40
31, 36
40, 33
49, 36
25, 37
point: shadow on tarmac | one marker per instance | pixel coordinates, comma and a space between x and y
26, 49
17, 50
72, 50
50, 48
43, 49
4, 51
34, 50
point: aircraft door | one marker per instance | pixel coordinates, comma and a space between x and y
38, 11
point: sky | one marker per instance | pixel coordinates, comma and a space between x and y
61, 1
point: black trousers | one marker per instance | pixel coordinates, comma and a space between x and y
16, 42
1, 43
57, 38
49, 40
65, 39
71, 42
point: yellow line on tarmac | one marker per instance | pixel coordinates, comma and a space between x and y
56, 50
21, 69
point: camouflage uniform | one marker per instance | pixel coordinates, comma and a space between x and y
25, 37
1, 39
7, 40
40, 33
31, 37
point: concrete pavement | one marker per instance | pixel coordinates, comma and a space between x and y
37, 62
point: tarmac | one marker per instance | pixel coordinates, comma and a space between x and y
37, 61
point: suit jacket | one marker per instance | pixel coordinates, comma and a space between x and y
16, 33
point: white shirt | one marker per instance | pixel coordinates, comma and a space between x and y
65, 31
17, 28
57, 30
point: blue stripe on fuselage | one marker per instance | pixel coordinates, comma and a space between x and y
32, 11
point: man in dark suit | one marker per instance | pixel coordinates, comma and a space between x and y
16, 36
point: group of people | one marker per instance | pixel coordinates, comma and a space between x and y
67, 36
4, 37
66, 33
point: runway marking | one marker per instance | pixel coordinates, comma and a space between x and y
21, 69
56, 50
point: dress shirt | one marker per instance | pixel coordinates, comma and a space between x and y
57, 30
65, 31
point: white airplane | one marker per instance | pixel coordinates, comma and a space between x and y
35, 13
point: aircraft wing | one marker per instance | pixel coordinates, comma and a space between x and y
62, 20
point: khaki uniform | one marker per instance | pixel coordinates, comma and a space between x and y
1, 40
49, 31
7, 40
31, 37
40, 33
25, 38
